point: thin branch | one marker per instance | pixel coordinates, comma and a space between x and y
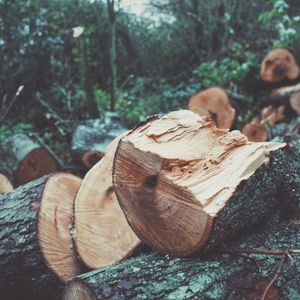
263, 251
278, 272
20, 89
49, 108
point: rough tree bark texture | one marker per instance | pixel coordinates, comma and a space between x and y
23, 269
91, 138
221, 276
181, 174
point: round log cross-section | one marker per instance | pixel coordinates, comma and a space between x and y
214, 103
36, 248
186, 185
255, 132
103, 236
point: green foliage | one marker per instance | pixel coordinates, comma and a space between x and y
286, 24
138, 102
200, 44
7, 131
102, 100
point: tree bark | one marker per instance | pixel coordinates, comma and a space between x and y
220, 276
23, 160
181, 174
86, 79
36, 253
91, 138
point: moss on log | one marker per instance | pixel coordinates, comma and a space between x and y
221, 276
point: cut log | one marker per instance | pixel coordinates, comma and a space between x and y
5, 184
278, 65
184, 185
255, 132
91, 138
36, 251
258, 129
103, 236
23, 160
90, 158
218, 277
214, 103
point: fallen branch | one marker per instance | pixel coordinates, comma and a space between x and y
20, 89
263, 251
278, 272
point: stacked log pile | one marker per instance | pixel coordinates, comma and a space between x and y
176, 183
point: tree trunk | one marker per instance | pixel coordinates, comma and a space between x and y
23, 160
91, 138
103, 236
180, 174
220, 276
5, 184
36, 252
86, 79
112, 52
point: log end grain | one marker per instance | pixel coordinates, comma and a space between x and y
5, 184
214, 103
79, 290
55, 225
103, 236
255, 132
175, 176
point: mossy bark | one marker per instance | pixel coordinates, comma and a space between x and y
24, 274
95, 134
221, 276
